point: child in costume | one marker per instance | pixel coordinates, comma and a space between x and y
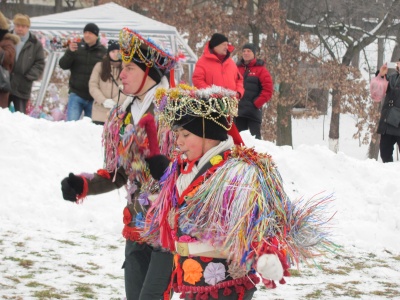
147, 269
222, 209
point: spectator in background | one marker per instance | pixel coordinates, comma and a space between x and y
389, 122
80, 59
8, 41
29, 63
104, 84
258, 89
216, 67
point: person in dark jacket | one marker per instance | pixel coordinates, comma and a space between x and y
29, 63
258, 89
8, 41
389, 122
80, 59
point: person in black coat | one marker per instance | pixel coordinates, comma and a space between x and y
80, 59
258, 89
389, 122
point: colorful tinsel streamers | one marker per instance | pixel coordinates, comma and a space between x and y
243, 206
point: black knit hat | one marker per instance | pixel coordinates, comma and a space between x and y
217, 39
112, 45
154, 72
250, 46
93, 28
212, 130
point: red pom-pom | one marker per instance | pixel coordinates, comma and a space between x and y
127, 216
214, 293
227, 291
282, 281
269, 284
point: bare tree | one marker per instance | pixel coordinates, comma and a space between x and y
341, 31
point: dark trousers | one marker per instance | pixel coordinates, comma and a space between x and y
98, 123
19, 103
386, 146
249, 124
147, 271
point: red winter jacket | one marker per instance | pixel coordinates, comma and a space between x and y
258, 88
210, 70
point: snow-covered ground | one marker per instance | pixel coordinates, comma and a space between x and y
54, 249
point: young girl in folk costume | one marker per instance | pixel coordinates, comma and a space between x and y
147, 269
222, 209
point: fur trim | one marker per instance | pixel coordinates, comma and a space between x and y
13, 37
3, 22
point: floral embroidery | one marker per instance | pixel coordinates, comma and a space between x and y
192, 271
216, 159
214, 273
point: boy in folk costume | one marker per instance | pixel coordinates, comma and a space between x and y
147, 269
222, 209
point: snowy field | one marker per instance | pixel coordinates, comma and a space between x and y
54, 249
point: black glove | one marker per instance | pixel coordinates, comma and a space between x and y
71, 186
157, 165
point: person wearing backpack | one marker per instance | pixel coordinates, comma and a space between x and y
389, 121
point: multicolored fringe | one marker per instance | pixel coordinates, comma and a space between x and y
158, 231
265, 217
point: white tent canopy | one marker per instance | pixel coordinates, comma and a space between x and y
110, 18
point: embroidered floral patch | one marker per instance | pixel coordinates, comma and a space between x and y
192, 271
214, 273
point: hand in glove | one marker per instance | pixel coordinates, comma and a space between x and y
72, 187
109, 103
157, 162
269, 266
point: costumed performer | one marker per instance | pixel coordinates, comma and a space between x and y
147, 269
222, 209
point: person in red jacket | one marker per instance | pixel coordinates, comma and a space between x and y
216, 67
258, 88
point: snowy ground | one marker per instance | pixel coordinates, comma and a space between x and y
53, 249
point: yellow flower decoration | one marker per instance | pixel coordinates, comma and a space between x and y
192, 271
160, 92
216, 159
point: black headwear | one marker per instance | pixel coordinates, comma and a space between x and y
217, 39
250, 46
93, 28
212, 130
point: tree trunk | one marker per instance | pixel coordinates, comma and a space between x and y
284, 120
335, 122
58, 6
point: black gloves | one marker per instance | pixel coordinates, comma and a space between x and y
71, 186
157, 165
